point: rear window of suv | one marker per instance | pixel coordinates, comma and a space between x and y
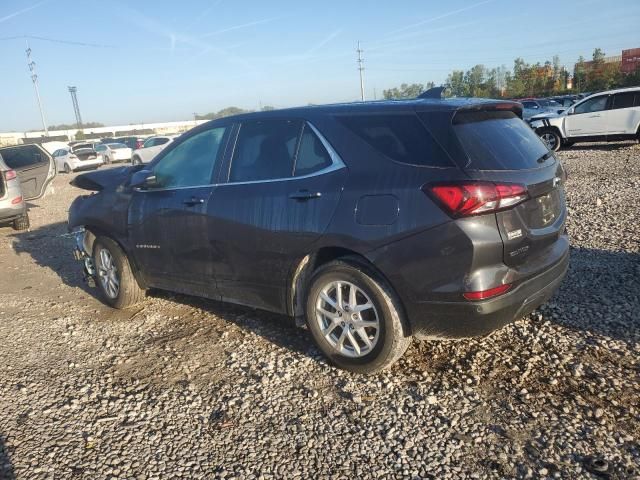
401, 137
498, 141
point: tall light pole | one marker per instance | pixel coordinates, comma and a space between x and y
76, 108
361, 70
34, 78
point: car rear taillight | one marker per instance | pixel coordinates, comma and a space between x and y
10, 175
16, 201
485, 294
462, 199
139, 144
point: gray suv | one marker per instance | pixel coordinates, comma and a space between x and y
25, 173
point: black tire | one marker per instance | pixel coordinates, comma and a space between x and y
551, 137
135, 160
67, 168
393, 338
22, 222
107, 160
128, 292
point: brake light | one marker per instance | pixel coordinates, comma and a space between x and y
16, 200
139, 144
463, 199
10, 175
484, 294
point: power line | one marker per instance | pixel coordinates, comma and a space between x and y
34, 78
361, 70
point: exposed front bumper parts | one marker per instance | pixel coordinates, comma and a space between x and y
81, 254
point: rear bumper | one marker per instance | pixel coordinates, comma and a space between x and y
11, 212
80, 165
469, 319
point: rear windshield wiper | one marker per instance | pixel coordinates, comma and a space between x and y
544, 157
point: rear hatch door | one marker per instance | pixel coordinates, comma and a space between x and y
499, 147
34, 166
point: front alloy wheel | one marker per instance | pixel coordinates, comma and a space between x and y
108, 274
115, 279
552, 139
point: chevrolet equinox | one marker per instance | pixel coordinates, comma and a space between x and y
369, 223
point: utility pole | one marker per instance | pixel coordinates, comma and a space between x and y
76, 109
195, 119
361, 70
34, 78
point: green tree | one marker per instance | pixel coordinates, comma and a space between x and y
80, 135
456, 84
405, 91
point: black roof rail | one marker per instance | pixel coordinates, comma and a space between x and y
435, 92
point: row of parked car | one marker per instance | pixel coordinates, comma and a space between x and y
27, 170
77, 156
608, 116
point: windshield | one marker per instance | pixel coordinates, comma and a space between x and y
497, 141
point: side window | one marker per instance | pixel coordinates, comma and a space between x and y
623, 100
596, 104
160, 141
149, 143
529, 105
399, 137
22, 157
312, 156
192, 162
265, 150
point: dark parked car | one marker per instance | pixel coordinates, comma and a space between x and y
370, 222
132, 142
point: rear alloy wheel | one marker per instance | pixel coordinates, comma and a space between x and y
355, 318
115, 279
22, 222
551, 138
67, 168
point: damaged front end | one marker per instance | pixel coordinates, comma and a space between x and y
82, 252
104, 210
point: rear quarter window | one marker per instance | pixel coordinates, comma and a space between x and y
401, 138
495, 140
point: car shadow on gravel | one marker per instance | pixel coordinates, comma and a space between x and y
279, 330
6, 469
51, 247
601, 294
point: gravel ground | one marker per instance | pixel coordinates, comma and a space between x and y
183, 387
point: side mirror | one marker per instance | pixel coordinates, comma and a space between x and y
144, 179
571, 111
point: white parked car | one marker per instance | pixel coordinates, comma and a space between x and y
113, 152
608, 116
151, 147
81, 156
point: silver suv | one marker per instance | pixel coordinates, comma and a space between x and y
25, 173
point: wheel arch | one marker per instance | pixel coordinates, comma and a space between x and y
94, 231
305, 268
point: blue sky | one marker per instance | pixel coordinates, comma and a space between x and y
159, 60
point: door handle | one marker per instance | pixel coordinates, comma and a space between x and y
594, 116
193, 201
304, 195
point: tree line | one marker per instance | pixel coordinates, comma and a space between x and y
527, 80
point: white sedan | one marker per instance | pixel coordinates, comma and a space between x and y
114, 152
77, 158
151, 147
